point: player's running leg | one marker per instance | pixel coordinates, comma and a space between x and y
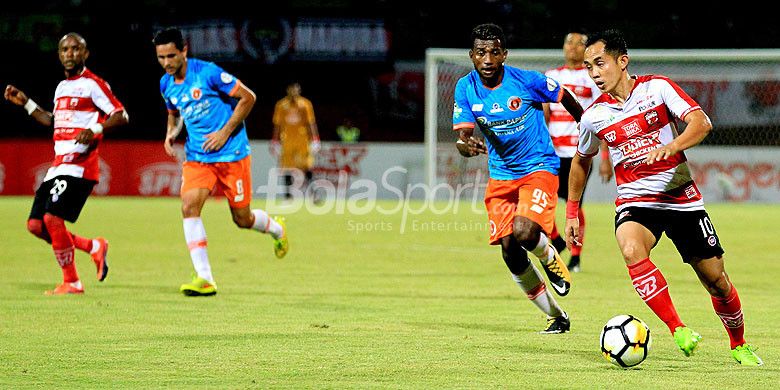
62, 244
97, 248
534, 216
235, 178
195, 237
635, 242
532, 284
725, 301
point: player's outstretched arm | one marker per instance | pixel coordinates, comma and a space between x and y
16, 96
468, 145
571, 104
578, 174
698, 126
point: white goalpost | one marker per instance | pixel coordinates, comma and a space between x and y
738, 88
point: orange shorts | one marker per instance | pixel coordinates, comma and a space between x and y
232, 179
533, 196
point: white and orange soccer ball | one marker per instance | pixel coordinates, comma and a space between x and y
625, 341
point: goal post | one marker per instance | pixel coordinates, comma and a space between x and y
738, 88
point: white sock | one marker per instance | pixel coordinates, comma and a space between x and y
265, 224
95, 246
195, 235
542, 249
533, 286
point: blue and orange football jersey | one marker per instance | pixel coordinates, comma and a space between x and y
203, 100
511, 118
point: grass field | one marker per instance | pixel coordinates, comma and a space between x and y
348, 309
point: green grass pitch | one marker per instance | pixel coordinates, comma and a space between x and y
417, 302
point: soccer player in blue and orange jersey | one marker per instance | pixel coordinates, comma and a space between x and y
506, 104
213, 105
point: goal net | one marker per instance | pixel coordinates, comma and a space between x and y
739, 89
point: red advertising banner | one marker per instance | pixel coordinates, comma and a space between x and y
126, 168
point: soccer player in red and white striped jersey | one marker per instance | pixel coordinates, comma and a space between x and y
656, 194
564, 131
84, 107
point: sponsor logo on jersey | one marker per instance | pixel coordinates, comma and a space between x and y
551, 84
651, 117
73, 103
712, 240
174, 100
690, 192
226, 78
493, 228
196, 93
456, 111
632, 128
610, 137
514, 103
476, 107
496, 108
624, 214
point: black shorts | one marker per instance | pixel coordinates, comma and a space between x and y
692, 232
63, 196
563, 179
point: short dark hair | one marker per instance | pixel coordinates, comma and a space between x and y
169, 35
488, 32
614, 43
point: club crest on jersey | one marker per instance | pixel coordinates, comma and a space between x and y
196, 93
73, 102
610, 137
496, 108
551, 84
631, 128
174, 100
651, 117
514, 103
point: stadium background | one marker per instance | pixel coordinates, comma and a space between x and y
379, 84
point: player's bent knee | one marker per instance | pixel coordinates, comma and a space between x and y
35, 226
634, 252
243, 222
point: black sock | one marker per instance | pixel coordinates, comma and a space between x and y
559, 243
575, 260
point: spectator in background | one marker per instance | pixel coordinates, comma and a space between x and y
564, 131
295, 138
84, 107
348, 132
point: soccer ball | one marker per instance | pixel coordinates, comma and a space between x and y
625, 340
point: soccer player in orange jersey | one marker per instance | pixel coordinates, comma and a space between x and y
213, 104
564, 131
635, 116
295, 138
84, 107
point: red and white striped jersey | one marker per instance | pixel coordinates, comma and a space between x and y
562, 126
646, 121
79, 102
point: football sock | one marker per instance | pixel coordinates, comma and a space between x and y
729, 309
542, 249
265, 224
558, 242
83, 244
62, 244
577, 249
533, 286
195, 235
649, 282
